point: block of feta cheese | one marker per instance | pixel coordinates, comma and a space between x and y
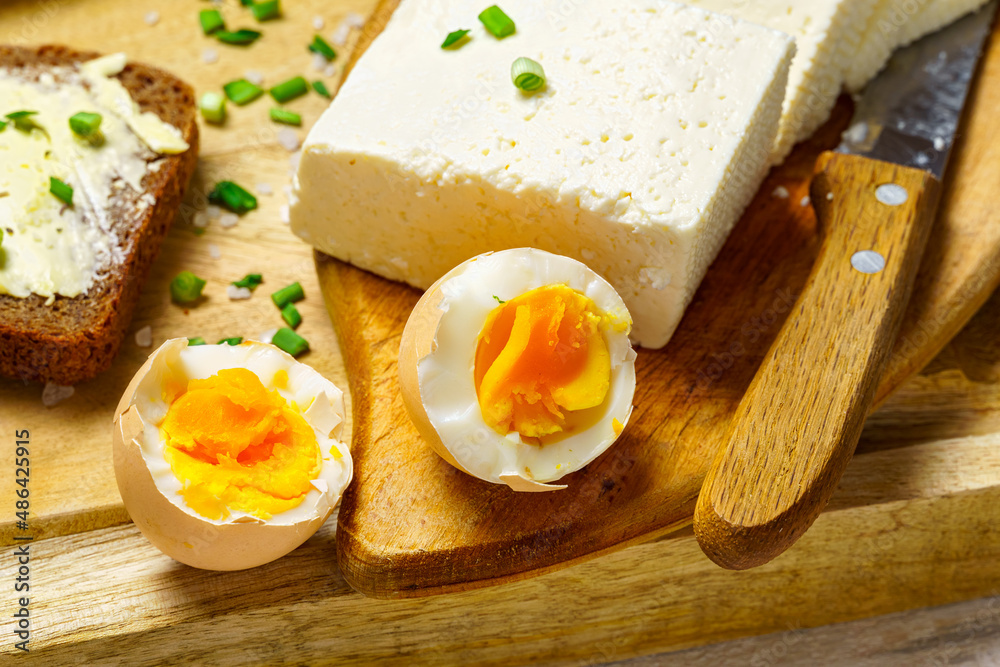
896, 23
827, 36
649, 139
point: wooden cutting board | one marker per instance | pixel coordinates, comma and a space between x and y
411, 525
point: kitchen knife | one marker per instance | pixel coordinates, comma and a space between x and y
875, 198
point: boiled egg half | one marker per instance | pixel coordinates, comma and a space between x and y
516, 367
228, 456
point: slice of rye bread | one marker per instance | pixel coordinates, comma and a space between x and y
74, 339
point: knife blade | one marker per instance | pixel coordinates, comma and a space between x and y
875, 198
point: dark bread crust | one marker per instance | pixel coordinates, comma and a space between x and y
74, 339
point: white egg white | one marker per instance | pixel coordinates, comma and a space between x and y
151, 491
445, 374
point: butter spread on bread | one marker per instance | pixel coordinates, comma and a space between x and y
50, 248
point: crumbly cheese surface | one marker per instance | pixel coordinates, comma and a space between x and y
650, 138
49, 248
895, 24
827, 35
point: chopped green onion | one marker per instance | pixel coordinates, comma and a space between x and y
527, 74
453, 37
499, 300
22, 120
197, 340
286, 117
289, 90
186, 287
63, 192
242, 91
85, 123
319, 87
250, 281
288, 341
3, 123
287, 295
231, 341
267, 10
232, 197
322, 47
246, 3
211, 21
291, 316
238, 37
497, 22
213, 107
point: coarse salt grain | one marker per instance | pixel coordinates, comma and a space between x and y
781, 192
265, 189
213, 251
355, 20
254, 77
144, 336
340, 35
152, 18
209, 56
805, 201
318, 22
319, 62
54, 393
200, 220
238, 293
213, 211
288, 139
284, 213
330, 70
228, 220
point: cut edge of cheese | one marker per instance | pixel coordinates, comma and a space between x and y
409, 210
896, 24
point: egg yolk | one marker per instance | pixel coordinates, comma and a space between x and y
541, 357
236, 446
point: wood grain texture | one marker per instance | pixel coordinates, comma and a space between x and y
108, 597
796, 427
411, 525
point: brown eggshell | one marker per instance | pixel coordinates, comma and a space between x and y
244, 543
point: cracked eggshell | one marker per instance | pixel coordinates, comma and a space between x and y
469, 444
149, 488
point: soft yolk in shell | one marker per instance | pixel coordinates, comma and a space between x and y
237, 446
540, 357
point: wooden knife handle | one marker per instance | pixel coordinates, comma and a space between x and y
798, 424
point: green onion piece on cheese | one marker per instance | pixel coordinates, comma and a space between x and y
186, 287
239, 37
63, 192
242, 92
453, 38
291, 316
3, 123
320, 88
211, 21
289, 90
250, 281
213, 107
287, 340
246, 3
498, 23
286, 117
287, 295
232, 197
197, 340
85, 124
527, 74
322, 47
231, 341
22, 120
267, 10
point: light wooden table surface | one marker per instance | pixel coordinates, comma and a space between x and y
926, 473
